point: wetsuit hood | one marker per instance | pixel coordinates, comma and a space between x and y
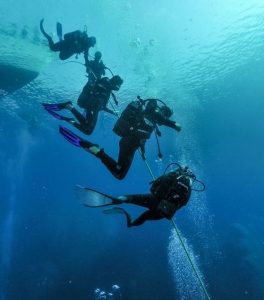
91, 41
116, 82
97, 55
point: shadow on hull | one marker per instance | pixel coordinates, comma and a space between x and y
23, 53
13, 78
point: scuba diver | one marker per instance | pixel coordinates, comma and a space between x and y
134, 126
75, 42
92, 99
168, 193
95, 68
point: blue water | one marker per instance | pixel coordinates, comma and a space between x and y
205, 59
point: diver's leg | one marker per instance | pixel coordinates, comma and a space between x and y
79, 124
65, 52
148, 215
91, 120
109, 162
79, 116
67, 49
52, 45
144, 200
127, 149
117, 170
87, 122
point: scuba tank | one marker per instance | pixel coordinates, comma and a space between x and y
95, 95
139, 118
86, 96
73, 36
173, 190
133, 120
75, 41
129, 120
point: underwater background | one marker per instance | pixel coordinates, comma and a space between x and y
203, 57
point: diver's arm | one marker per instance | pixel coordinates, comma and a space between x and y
171, 124
86, 60
166, 122
103, 68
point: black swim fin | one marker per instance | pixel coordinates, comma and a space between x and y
115, 210
120, 211
92, 198
59, 30
42, 29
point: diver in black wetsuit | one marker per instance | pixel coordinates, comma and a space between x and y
93, 99
168, 193
135, 126
95, 68
75, 42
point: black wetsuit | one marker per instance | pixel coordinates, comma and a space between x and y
161, 203
93, 99
148, 201
127, 147
75, 42
95, 69
134, 140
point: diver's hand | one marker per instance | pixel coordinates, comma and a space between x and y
177, 127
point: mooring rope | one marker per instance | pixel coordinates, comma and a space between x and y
190, 259
181, 240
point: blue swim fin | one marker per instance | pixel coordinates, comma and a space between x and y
71, 137
78, 141
56, 106
59, 117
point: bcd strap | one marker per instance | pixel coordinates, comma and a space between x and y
157, 135
114, 97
